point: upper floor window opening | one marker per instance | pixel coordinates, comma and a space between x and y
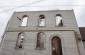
41, 20
24, 20
59, 20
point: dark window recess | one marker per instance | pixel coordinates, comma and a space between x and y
40, 41
20, 41
56, 46
20, 46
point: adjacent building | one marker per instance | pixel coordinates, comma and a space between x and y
82, 31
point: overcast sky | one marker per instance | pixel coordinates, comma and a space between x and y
7, 7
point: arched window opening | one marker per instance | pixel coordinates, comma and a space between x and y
41, 20
40, 40
20, 41
59, 20
56, 46
24, 20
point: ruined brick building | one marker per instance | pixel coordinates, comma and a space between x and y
42, 33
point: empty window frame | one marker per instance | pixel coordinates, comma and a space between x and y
24, 20
41, 20
20, 40
40, 40
59, 20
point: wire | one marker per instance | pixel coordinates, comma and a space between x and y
41, 6
22, 6
15, 7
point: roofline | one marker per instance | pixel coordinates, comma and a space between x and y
81, 27
42, 11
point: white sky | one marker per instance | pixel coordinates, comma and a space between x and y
7, 7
